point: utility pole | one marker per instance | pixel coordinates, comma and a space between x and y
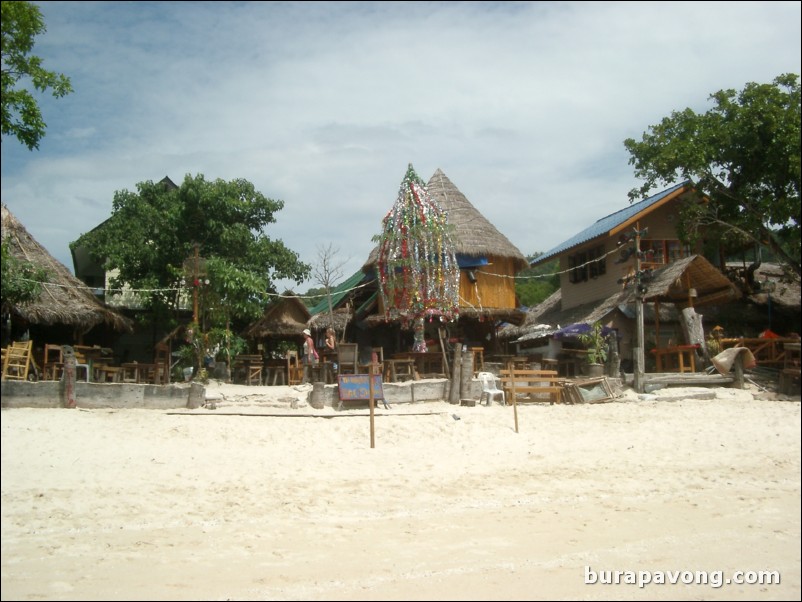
632, 241
195, 283
639, 290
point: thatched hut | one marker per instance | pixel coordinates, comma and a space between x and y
64, 302
283, 320
488, 263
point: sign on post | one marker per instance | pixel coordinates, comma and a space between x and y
356, 387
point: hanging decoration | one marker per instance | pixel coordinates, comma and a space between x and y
417, 265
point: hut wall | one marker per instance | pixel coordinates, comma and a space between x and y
592, 289
661, 224
494, 287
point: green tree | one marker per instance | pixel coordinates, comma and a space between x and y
20, 280
743, 156
151, 238
534, 285
21, 22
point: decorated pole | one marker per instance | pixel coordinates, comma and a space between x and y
417, 267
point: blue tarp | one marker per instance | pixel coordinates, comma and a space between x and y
574, 330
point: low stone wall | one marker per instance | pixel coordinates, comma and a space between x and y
414, 391
49, 394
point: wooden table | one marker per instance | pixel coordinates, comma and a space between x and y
135, 372
252, 366
428, 363
679, 358
276, 372
397, 370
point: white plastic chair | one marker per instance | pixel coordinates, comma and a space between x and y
489, 388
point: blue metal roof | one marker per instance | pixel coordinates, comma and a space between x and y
606, 224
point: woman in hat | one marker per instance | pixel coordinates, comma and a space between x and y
310, 355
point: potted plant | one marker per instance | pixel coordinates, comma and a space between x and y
596, 343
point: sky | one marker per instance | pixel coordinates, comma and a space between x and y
524, 106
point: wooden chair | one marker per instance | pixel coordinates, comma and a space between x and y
251, 367
295, 371
162, 359
17, 360
348, 358
53, 362
478, 359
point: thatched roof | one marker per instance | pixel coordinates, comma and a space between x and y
338, 319
473, 235
283, 318
672, 283
64, 298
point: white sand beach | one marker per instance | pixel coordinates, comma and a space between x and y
255, 500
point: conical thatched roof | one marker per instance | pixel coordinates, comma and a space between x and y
474, 235
64, 299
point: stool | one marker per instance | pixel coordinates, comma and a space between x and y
478, 359
400, 369
274, 375
254, 374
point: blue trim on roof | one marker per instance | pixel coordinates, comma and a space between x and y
606, 224
464, 261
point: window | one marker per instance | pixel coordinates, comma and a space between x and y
591, 263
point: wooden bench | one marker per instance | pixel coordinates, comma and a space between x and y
533, 383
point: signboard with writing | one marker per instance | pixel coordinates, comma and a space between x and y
356, 387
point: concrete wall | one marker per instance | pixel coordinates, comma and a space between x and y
49, 394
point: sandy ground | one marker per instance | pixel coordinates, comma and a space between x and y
257, 501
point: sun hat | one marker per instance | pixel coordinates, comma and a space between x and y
307, 332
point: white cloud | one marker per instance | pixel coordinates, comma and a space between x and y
524, 106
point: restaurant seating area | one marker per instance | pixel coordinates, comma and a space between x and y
22, 360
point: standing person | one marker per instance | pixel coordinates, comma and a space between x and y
331, 341
310, 355
331, 349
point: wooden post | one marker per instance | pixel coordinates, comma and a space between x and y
466, 374
68, 378
738, 367
372, 401
613, 358
512, 393
453, 393
195, 284
639, 359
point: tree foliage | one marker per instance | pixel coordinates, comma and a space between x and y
21, 117
151, 235
743, 156
20, 280
534, 285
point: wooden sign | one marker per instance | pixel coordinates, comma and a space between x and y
356, 387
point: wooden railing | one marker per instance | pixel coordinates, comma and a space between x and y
767, 351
